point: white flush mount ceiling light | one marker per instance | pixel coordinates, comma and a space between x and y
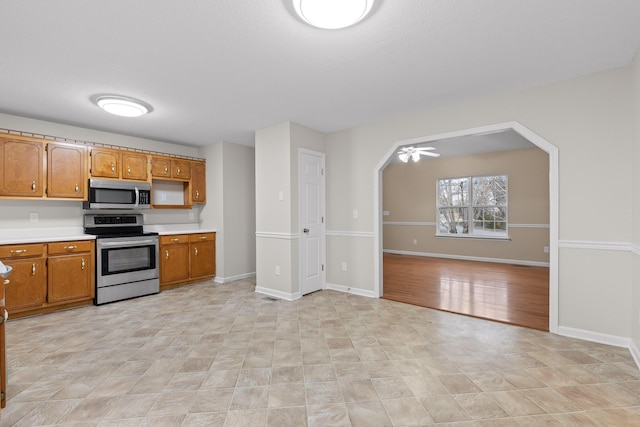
332, 14
122, 105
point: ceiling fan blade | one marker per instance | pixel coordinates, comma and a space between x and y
426, 148
431, 154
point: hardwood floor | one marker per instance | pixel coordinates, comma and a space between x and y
508, 293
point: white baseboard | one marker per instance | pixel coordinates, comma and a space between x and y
469, 258
234, 278
613, 340
349, 290
278, 294
635, 353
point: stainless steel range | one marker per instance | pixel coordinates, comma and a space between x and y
126, 257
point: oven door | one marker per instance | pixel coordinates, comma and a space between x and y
126, 259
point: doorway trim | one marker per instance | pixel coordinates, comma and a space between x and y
535, 139
323, 239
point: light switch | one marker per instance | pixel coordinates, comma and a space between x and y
355, 214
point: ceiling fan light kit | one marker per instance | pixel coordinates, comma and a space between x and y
414, 153
332, 14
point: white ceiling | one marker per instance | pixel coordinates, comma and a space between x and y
218, 70
473, 144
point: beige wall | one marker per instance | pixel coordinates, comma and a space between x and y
277, 233
230, 208
635, 194
409, 196
587, 118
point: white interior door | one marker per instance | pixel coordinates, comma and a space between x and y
311, 185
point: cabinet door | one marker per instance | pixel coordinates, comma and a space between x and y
28, 287
198, 182
181, 169
22, 168
174, 263
105, 163
203, 259
161, 167
66, 171
70, 277
134, 166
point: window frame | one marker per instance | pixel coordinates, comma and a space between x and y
470, 206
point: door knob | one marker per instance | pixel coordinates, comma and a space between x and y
305, 231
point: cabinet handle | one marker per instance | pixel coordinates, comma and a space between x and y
70, 248
113, 168
178, 170
77, 188
175, 239
82, 264
33, 186
18, 251
128, 170
196, 251
197, 194
166, 169
166, 254
203, 237
6, 281
33, 269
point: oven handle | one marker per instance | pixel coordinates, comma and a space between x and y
126, 243
137, 196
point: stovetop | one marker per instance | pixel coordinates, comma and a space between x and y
111, 225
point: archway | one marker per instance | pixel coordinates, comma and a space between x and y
535, 139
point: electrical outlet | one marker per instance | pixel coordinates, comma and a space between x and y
277, 270
344, 266
281, 195
415, 241
33, 217
385, 213
546, 249
355, 214
191, 215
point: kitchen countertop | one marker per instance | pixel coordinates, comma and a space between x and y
42, 235
63, 234
169, 229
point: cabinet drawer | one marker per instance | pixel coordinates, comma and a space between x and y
70, 247
202, 237
21, 251
173, 239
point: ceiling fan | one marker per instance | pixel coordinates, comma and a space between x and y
414, 153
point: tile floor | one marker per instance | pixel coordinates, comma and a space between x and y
222, 355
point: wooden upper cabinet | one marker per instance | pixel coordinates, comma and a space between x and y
105, 163
66, 171
166, 167
181, 169
22, 169
161, 167
198, 182
134, 166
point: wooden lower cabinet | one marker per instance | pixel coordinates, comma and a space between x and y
187, 258
202, 255
174, 259
71, 272
48, 277
28, 288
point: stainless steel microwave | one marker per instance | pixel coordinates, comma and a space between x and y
108, 194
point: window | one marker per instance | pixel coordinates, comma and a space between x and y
472, 206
